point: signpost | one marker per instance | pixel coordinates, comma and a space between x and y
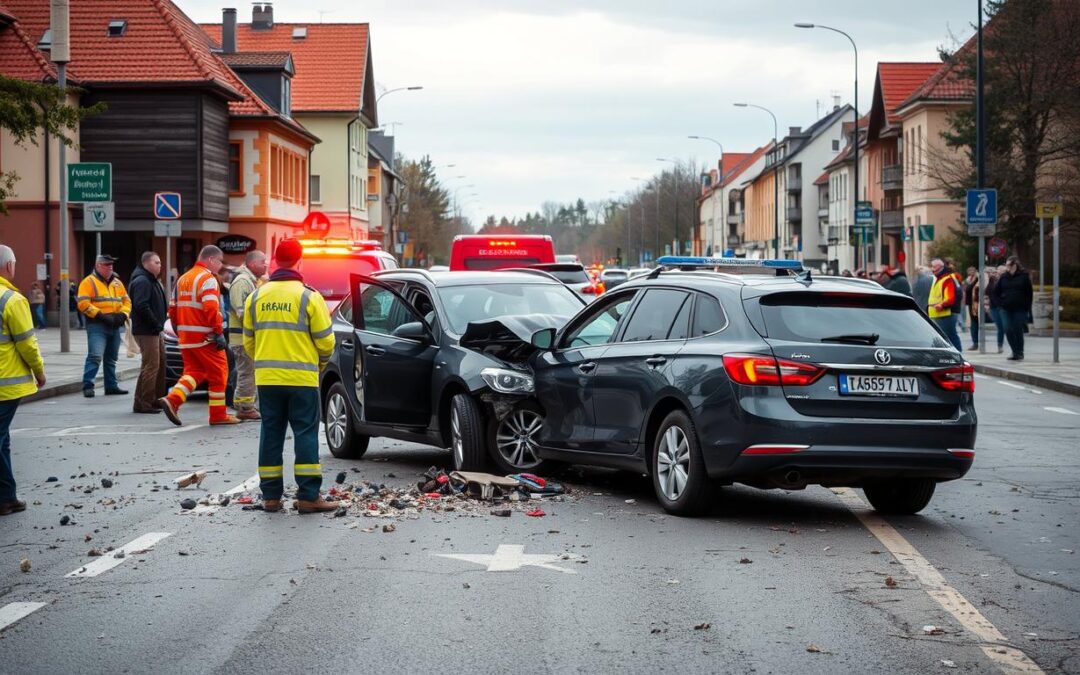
981, 219
1044, 210
1052, 210
864, 223
167, 223
99, 217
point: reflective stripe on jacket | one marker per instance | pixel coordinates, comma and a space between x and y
97, 296
243, 285
287, 331
19, 354
195, 309
943, 292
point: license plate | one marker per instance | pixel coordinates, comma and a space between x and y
878, 385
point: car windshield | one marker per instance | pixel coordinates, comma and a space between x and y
851, 318
465, 304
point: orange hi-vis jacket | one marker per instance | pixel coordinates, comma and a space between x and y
195, 309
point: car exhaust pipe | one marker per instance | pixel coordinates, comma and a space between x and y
793, 478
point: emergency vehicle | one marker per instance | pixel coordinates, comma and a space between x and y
483, 252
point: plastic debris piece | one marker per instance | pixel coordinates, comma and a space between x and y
246, 499
933, 630
948, 663
536, 513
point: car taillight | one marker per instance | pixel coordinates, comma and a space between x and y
957, 378
600, 288
593, 289
755, 369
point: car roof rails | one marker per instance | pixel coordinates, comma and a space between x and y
422, 272
530, 270
781, 267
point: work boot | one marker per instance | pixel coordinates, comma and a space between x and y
88, 393
320, 505
228, 419
167, 407
12, 507
248, 415
115, 392
271, 505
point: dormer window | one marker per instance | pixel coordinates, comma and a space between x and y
117, 27
299, 32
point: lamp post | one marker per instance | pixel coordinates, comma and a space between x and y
776, 174
719, 181
391, 91
855, 105
675, 198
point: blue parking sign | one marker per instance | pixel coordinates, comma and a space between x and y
982, 207
167, 205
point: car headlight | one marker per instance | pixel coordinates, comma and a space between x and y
507, 381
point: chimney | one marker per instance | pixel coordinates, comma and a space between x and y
794, 131
836, 102
228, 31
262, 16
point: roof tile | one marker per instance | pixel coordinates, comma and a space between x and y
899, 80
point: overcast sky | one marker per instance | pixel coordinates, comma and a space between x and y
537, 100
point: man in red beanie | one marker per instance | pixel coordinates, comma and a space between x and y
287, 332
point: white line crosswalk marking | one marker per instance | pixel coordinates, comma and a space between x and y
14, 611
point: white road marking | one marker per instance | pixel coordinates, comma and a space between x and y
23, 430
1010, 384
14, 611
249, 484
1063, 411
107, 430
509, 558
995, 645
109, 560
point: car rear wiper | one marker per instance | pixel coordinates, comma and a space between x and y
854, 338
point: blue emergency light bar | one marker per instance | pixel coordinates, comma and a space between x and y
699, 261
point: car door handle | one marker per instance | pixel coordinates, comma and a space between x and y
587, 367
347, 345
374, 350
655, 361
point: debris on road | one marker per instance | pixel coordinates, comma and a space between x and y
340, 477
51, 479
745, 561
536, 513
948, 664
814, 649
195, 478
106, 483
65, 519
890, 582
933, 630
703, 626
501, 513
93, 553
188, 504
24, 565
389, 527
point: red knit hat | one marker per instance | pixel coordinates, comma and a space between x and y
288, 252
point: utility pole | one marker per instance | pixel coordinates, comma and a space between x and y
980, 154
60, 53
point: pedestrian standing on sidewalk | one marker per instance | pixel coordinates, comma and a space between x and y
894, 279
244, 283
972, 297
148, 313
942, 301
287, 331
37, 304
1014, 294
195, 311
924, 280
21, 371
992, 276
105, 303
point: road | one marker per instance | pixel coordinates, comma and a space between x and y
770, 582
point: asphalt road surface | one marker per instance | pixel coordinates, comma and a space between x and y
985, 580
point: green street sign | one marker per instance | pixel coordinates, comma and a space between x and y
89, 182
926, 233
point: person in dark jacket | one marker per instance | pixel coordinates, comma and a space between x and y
992, 275
924, 281
1014, 294
894, 279
148, 313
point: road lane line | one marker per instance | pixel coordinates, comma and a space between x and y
996, 647
1063, 411
109, 560
14, 611
249, 484
123, 431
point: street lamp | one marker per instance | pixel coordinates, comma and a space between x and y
776, 174
675, 198
391, 91
855, 204
719, 180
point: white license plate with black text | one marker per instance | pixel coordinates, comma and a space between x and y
878, 385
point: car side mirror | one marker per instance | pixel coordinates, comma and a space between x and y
543, 339
414, 330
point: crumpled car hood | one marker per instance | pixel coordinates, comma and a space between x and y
508, 338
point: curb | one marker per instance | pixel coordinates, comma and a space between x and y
1027, 378
50, 391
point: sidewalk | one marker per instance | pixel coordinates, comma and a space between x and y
1038, 368
63, 372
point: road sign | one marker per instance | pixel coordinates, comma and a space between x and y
907, 234
167, 228
1049, 209
167, 205
402, 237
99, 216
863, 204
981, 213
997, 247
89, 182
926, 233
864, 216
42, 271
317, 222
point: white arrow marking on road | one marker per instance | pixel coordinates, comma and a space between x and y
14, 611
509, 558
109, 560
1063, 411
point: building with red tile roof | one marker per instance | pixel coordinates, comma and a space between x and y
721, 224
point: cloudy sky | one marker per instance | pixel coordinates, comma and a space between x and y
537, 100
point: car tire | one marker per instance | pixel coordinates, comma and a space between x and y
678, 470
467, 434
513, 440
340, 429
900, 497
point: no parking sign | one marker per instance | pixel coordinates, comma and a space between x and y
997, 247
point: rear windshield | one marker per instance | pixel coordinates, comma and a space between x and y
814, 317
570, 276
487, 264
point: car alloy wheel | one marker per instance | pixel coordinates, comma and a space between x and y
336, 420
515, 439
673, 463
455, 438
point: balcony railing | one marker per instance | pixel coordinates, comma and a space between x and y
736, 218
893, 219
794, 213
892, 177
